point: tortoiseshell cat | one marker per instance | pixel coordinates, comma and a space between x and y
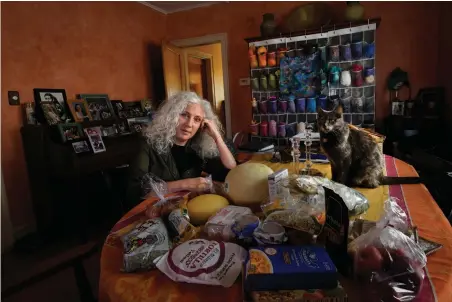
354, 156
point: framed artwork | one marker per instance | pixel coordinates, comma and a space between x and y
123, 127
28, 114
138, 124
56, 99
398, 107
109, 130
99, 106
79, 110
70, 131
117, 106
132, 109
146, 106
50, 114
95, 139
80, 147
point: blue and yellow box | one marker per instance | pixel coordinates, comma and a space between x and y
285, 267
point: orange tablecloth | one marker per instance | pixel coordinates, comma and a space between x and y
115, 286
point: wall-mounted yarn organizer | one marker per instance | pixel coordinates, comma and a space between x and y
344, 59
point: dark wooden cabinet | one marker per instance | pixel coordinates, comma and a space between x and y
58, 175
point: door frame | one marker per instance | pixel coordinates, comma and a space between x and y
203, 56
221, 38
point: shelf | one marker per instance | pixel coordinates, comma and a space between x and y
317, 30
264, 68
351, 87
310, 113
351, 61
266, 91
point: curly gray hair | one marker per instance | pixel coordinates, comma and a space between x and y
162, 130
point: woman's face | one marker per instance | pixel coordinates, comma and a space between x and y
78, 108
47, 98
189, 122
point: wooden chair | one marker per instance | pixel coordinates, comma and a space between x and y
20, 272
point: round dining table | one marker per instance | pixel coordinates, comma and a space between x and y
154, 286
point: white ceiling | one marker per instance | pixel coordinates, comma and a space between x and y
168, 7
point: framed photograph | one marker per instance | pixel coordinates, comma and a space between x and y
123, 127
57, 99
117, 107
99, 106
95, 139
109, 130
80, 147
146, 106
70, 131
28, 114
79, 110
132, 109
138, 124
398, 107
50, 114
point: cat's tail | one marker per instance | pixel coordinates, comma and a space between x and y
389, 180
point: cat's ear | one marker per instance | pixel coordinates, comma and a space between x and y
339, 110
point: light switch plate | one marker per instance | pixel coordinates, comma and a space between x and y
13, 98
244, 82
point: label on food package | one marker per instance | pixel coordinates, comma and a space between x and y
204, 262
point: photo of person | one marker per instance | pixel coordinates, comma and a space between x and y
147, 106
79, 110
51, 114
57, 100
397, 108
70, 132
95, 139
98, 106
80, 147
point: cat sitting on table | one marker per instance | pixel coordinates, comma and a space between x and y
354, 155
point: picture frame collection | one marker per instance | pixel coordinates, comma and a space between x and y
52, 107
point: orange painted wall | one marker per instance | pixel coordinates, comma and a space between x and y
83, 47
407, 37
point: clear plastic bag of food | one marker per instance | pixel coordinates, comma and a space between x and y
180, 228
147, 242
388, 264
356, 202
219, 225
153, 186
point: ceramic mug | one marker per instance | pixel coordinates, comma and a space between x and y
263, 82
346, 52
323, 101
369, 75
357, 105
311, 105
291, 106
272, 130
282, 129
357, 78
263, 107
346, 78
272, 82
334, 53
253, 61
291, 129
357, 50
369, 50
283, 106
334, 77
263, 128
255, 83
301, 105
271, 59
272, 106
254, 129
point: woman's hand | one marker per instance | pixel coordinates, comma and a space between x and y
212, 130
198, 184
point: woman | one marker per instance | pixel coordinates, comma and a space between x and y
79, 112
48, 97
183, 140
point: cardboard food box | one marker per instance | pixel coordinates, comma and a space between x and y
285, 267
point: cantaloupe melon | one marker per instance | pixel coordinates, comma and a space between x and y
247, 184
202, 207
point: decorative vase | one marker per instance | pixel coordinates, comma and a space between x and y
268, 25
354, 11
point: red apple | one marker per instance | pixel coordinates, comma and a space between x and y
369, 259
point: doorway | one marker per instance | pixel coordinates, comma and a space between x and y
200, 65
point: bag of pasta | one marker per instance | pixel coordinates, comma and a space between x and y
147, 242
301, 206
